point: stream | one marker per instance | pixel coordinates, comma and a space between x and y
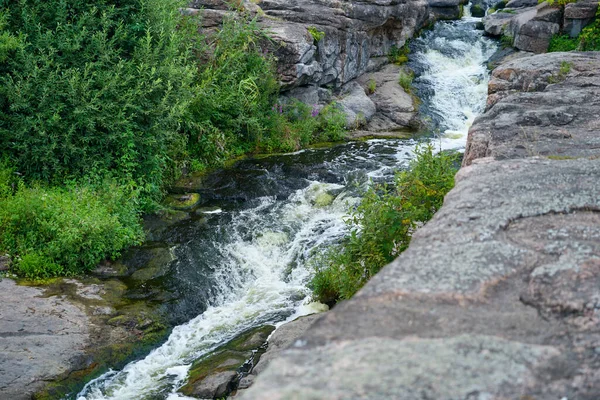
249, 260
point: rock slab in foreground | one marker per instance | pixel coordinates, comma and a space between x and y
497, 297
40, 338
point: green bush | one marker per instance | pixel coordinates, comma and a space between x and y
53, 231
383, 224
588, 40
94, 88
562, 43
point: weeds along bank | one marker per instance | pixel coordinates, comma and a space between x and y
102, 105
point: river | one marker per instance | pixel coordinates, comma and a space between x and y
248, 263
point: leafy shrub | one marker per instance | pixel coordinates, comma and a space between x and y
54, 231
383, 224
588, 40
562, 43
94, 88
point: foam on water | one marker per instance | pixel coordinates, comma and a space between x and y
452, 59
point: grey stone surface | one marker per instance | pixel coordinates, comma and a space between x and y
215, 385
506, 268
462, 367
355, 33
541, 105
357, 106
40, 338
530, 27
497, 297
396, 109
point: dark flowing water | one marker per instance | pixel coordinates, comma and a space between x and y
246, 260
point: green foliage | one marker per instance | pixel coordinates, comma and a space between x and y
399, 55
316, 34
54, 231
563, 43
589, 39
95, 89
371, 86
383, 224
236, 107
506, 41
405, 79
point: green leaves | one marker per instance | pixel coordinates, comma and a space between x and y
383, 224
50, 231
96, 88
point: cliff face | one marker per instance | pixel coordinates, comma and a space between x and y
357, 34
498, 296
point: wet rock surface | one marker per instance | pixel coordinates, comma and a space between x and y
497, 297
541, 105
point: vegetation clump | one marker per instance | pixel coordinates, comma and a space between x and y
405, 79
316, 34
588, 40
399, 55
101, 106
382, 225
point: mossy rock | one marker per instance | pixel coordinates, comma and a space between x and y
157, 266
477, 11
216, 375
182, 202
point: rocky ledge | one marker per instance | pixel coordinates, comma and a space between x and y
498, 296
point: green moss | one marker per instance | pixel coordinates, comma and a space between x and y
182, 202
557, 157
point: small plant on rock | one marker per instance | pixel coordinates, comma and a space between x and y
316, 34
371, 86
405, 79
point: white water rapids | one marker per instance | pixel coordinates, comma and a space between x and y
263, 265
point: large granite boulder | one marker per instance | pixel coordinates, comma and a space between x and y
540, 105
530, 28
